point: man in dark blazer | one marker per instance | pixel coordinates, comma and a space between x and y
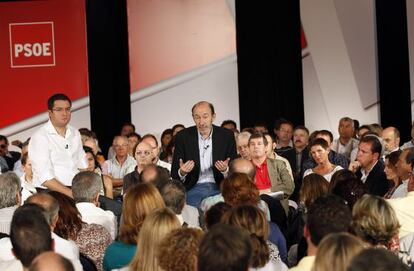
368, 166
201, 155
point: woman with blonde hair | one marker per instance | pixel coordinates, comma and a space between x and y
265, 255
139, 202
156, 227
336, 251
375, 221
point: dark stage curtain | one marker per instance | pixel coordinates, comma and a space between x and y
109, 87
393, 66
269, 61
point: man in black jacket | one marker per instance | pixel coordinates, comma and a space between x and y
368, 167
201, 155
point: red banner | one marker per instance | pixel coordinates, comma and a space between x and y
42, 51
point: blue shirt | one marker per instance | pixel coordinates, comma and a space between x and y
118, 255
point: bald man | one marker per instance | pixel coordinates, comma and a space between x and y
391, 137
51, 261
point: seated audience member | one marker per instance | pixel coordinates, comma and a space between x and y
28, 188
300, 151
153, 142
404, 168
368, 167
334, 157
121, 164
404, 210
90, 140
391, 137
271, 145
237, 189
139, 201
224, 248
126, 129
85, 189
376, 259
229, 124
10, 199
143, 157
409, 144
50, 261
166, 138
313, 187
362, 130
133, 140
242, 144
346, 144
214, 214
11, 157
177, 128
391, 171
29, 236
340, 176
271, 175
319, 150
328, 214
155, 228
284, 131
375, 222
157, 175
173, 194
93, 166
336, 250
18, 169
92, 239
260, 127
350, 190
169, 151
376, 129
265, 255
66, 248
179, 249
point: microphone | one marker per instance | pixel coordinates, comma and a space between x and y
67, 146
206, 147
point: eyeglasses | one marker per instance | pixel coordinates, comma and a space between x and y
60, 110
120, 146
144, 153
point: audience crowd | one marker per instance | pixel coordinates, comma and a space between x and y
207, 197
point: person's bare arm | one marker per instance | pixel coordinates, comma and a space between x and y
55, 185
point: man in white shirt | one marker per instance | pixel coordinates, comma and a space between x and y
56, 148
121, 164
404, 168
10, 199
152, 141
85, 188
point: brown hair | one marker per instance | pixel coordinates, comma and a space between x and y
239, 189
178, 251
69, 221
254, 221
313, 186
139, 201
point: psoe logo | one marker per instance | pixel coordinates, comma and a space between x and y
32, 44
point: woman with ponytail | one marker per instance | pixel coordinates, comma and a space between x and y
265, 255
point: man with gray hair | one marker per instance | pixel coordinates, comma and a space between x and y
173, 194
10, 199
85, 189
